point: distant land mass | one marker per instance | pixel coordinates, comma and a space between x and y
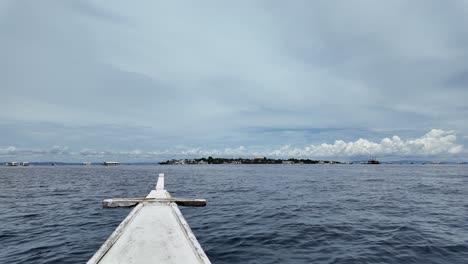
263, 160
211, 160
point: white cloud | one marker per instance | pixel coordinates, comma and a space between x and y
226, 152
435, 142
7, 151
59, 150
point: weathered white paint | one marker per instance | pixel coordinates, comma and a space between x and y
114, 236
153, 232
160, 184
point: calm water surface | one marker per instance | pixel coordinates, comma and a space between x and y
255, 213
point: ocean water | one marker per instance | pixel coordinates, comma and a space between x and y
255, 213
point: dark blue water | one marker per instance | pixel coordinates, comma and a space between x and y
255, 213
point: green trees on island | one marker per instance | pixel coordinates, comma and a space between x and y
261, 160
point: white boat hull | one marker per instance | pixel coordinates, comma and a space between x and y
153, 232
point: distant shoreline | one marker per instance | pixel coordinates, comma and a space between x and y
211, 160
262, 160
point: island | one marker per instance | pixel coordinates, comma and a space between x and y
262, 160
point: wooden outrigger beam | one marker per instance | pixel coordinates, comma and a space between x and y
129, 202
155, 231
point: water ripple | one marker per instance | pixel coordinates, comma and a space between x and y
255, 214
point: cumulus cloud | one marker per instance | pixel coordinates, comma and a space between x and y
227, 151
7, 150
53, 151
90, 152
436, 142
59, 150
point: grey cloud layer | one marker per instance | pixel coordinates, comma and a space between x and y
199, 74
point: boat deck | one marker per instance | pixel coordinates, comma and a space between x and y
153, 232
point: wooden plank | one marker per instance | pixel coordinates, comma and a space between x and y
129, 202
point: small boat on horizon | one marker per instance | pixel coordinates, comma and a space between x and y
373, 161
110, 163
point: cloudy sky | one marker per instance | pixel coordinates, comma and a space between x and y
96, 80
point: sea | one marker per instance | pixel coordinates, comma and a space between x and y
388, 213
